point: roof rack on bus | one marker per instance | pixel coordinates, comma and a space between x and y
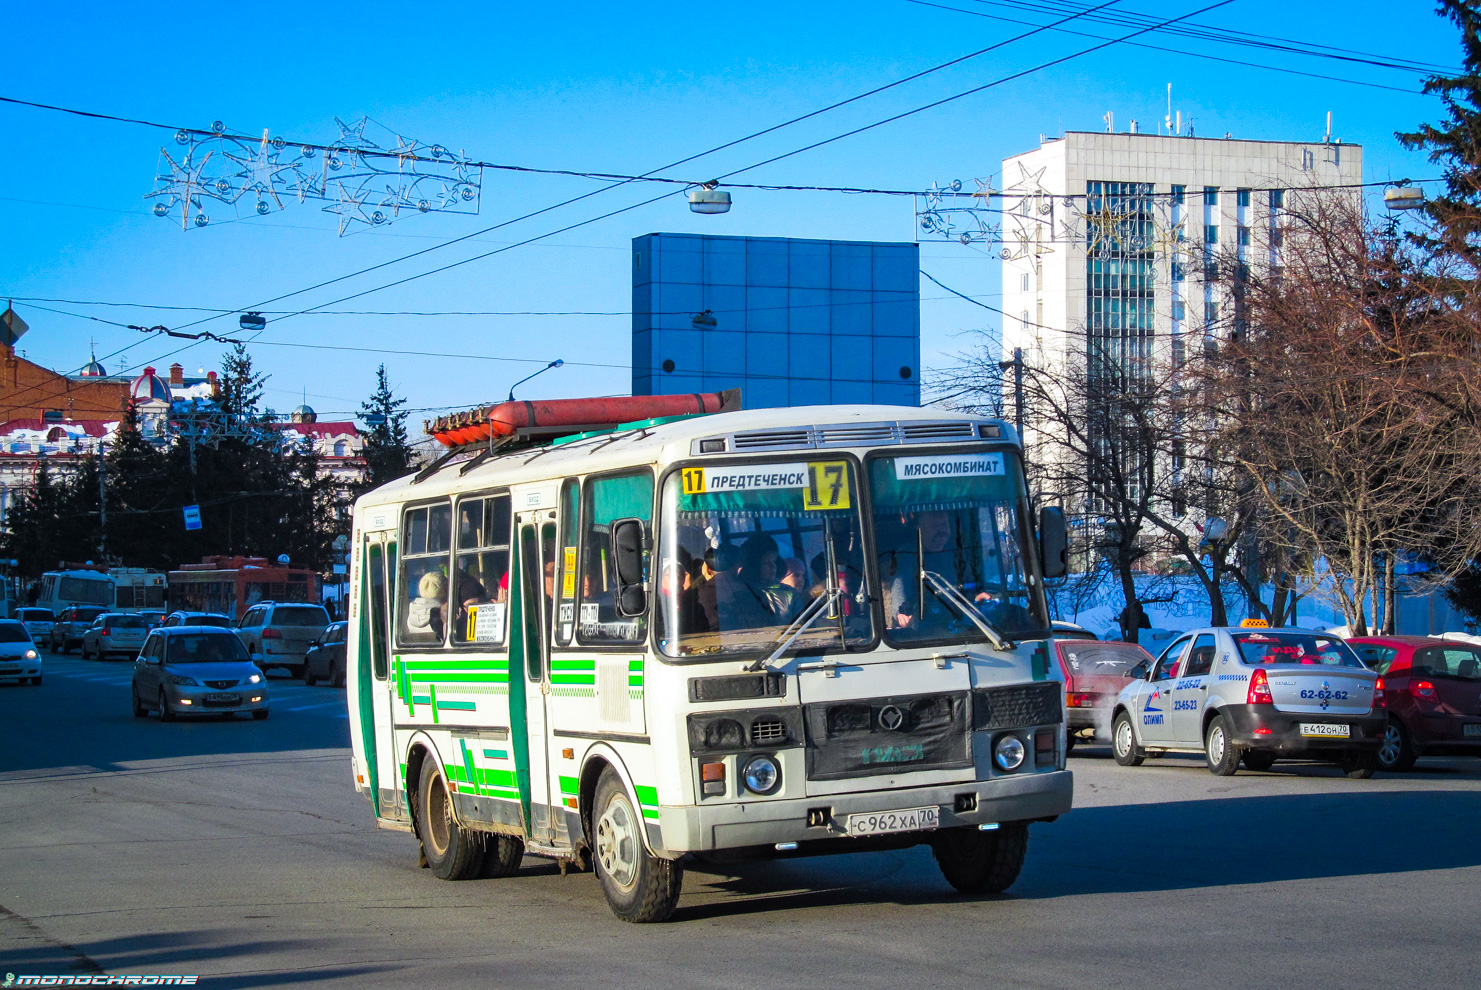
506, 426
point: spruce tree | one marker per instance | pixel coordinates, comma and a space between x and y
387, 451
1455, 142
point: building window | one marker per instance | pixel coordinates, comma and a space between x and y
1277, 199
1210, 195
1211, 233
1210, 311
1243, 234
1177, 194
1178, 309
1242, 198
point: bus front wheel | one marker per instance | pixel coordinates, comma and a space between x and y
976, 861
639, 886
452, 853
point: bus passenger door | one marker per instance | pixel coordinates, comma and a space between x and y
374, 691
536, 553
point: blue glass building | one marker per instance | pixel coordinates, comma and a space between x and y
792, 322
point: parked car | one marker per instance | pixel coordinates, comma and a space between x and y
1254, 694
325, 659
197, 670
196, 619
1433, 687
19, 657
38, 621
277, 634
67, 631
1094, 674
1070, 630
114, 632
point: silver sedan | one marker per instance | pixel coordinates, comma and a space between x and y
197, 670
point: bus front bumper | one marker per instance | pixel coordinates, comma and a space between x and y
1028, 797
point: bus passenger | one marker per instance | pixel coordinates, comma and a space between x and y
425, 612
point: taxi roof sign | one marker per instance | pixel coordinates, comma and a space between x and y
1254, 624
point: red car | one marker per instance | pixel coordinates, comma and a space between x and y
1433, 689
1094, 674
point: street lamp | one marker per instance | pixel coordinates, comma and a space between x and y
252, 321
554, 364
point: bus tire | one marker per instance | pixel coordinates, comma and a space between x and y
452, 853
502, 855
976, 862
639, 886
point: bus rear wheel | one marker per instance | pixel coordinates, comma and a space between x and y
975, 862
452, 853
639, 886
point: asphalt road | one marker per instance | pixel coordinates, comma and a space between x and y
238, 850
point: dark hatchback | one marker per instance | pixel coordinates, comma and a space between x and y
325, 659
1433, 688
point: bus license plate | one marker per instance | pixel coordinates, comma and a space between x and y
228, 699
909, 820
1473, 729
1324, 729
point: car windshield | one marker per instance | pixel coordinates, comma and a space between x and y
14, 632
206, 620
36, 615
952, 534
1303, 648
205, 648
300, 615
1113, 659
747, 551
126, 622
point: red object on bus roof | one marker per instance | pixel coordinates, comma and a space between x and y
504, 419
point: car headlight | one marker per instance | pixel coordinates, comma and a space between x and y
31, 654
182, 680
1009, 752
255, 678
761, 775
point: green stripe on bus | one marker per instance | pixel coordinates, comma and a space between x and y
570, 785
489, 677
495, 754
573, 665
457, 706
421, 699
647, 796
635, 665
432, 700
457, 664
468, 765
573, 678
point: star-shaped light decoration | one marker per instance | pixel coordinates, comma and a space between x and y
349, 207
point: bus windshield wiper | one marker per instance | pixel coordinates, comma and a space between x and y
815, 610
948, 592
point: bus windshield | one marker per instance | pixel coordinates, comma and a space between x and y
94, 591
951, 536
745, 550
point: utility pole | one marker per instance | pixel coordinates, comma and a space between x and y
102, 506
1017, 365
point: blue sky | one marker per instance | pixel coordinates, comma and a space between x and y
612, 88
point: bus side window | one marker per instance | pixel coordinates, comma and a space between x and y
566, 559
481, 575
422, 592
624, 496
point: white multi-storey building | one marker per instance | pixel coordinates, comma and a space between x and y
1107, 236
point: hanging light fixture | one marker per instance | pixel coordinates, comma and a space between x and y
1403, 198
708, 199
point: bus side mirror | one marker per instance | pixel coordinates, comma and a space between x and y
1054, 542
627, 558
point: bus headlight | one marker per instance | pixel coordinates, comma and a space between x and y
1008, 753
762, 775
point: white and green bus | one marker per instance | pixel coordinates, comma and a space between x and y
632, 645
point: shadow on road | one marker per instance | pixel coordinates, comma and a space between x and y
70, 726
1137, 848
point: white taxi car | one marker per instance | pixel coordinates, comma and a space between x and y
1255, 694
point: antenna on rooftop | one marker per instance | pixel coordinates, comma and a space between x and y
1110, 119
1328, 138
1168, 119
